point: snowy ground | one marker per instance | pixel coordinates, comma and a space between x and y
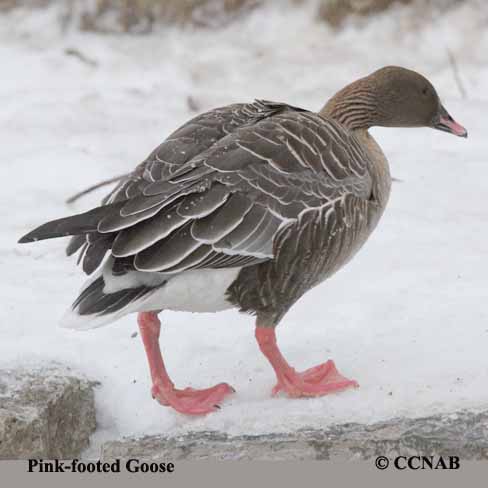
407, 318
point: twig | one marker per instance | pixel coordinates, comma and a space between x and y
455, 72
192, 104
77, 54
80, 194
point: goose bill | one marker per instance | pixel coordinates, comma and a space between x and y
447, 124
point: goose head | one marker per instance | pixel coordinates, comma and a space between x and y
392, 97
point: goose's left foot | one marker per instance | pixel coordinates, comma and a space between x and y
317, 381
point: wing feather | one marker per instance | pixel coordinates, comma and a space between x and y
198, 205
263, 243
168, 252
245, 229
224, 220
114, 222
193, 260
136, 238
243, 246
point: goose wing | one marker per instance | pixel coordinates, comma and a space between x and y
225, 206
193, 137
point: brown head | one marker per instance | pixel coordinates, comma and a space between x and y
391, 97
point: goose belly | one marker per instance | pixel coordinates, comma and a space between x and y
193, 291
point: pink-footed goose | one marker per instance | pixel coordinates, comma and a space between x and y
247, 206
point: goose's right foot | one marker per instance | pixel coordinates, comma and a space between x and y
191, 401
188, 401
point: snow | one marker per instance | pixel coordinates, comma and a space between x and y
407, 317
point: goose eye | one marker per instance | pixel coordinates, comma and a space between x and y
425, 91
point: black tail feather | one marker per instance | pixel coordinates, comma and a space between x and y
75, 243
84, 223
93, 300
96, 251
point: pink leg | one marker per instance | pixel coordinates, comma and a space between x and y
189, 400
317, 381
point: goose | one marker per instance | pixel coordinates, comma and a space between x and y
247, 206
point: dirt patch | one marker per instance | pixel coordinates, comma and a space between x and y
140, 16
336, 12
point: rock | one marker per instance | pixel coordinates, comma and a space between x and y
463, 434
45, 412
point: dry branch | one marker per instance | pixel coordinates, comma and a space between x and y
455, 72
84, 192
